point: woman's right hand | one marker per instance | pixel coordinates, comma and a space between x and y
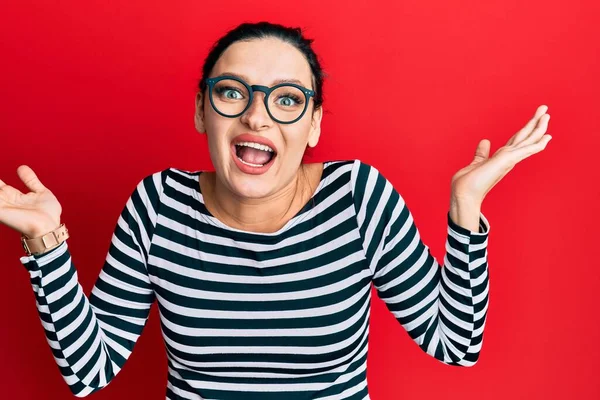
33, 214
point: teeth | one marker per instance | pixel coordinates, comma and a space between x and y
256, 146
250, 164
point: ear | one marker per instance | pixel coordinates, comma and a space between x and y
315, 127
199, 114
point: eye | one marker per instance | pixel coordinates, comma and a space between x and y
289, 100
229, 92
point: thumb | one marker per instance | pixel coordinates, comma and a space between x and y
483, 150
30, 179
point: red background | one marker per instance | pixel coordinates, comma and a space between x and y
96, 95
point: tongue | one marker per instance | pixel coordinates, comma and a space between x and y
253, 156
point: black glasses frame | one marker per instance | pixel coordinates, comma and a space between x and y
258, 88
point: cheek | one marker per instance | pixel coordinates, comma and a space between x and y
217, 131
216, 127
296, 138
211, 119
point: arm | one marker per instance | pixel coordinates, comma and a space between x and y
92, 338
443, 308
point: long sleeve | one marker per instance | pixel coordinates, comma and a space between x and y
443, 308
92, 338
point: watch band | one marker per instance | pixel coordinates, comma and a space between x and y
42, 243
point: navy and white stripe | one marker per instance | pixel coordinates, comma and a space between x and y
263, 315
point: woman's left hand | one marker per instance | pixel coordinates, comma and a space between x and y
473, 182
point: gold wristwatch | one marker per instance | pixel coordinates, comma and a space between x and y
41, 244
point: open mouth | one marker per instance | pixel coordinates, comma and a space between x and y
254, 154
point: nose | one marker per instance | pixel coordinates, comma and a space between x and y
256, 116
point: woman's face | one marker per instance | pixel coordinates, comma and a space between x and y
259, 62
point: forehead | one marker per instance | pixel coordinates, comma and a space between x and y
264, 61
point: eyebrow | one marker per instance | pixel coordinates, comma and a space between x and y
275, 82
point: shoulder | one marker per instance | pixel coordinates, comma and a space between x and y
152, 184
174, 179
364, 174
338, 167
355, 165
369, 185
356, 172
148, 191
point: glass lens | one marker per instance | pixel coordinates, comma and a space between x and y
286, 103
230, 96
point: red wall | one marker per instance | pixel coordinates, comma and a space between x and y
95, 95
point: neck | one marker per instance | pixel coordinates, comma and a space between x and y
264, 215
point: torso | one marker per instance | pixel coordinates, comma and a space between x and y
263, 315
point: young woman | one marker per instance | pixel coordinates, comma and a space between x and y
262, 270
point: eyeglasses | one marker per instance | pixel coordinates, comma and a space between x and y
230, 96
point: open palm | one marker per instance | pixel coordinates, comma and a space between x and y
34, 213
474, 181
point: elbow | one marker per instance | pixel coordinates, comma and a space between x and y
466, 359
469, 360
84, 391
471, 355
451, 356
80, 389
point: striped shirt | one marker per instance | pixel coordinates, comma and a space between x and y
266, 316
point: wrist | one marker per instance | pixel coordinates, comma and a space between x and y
40, 253
43, 230
465, 213
45, 242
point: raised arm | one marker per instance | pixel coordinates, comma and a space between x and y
443, 308
92, 339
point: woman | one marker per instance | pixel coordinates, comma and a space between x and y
262, 270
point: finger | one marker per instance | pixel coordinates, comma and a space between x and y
526, 151
30, 179
538, 132
526, 130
